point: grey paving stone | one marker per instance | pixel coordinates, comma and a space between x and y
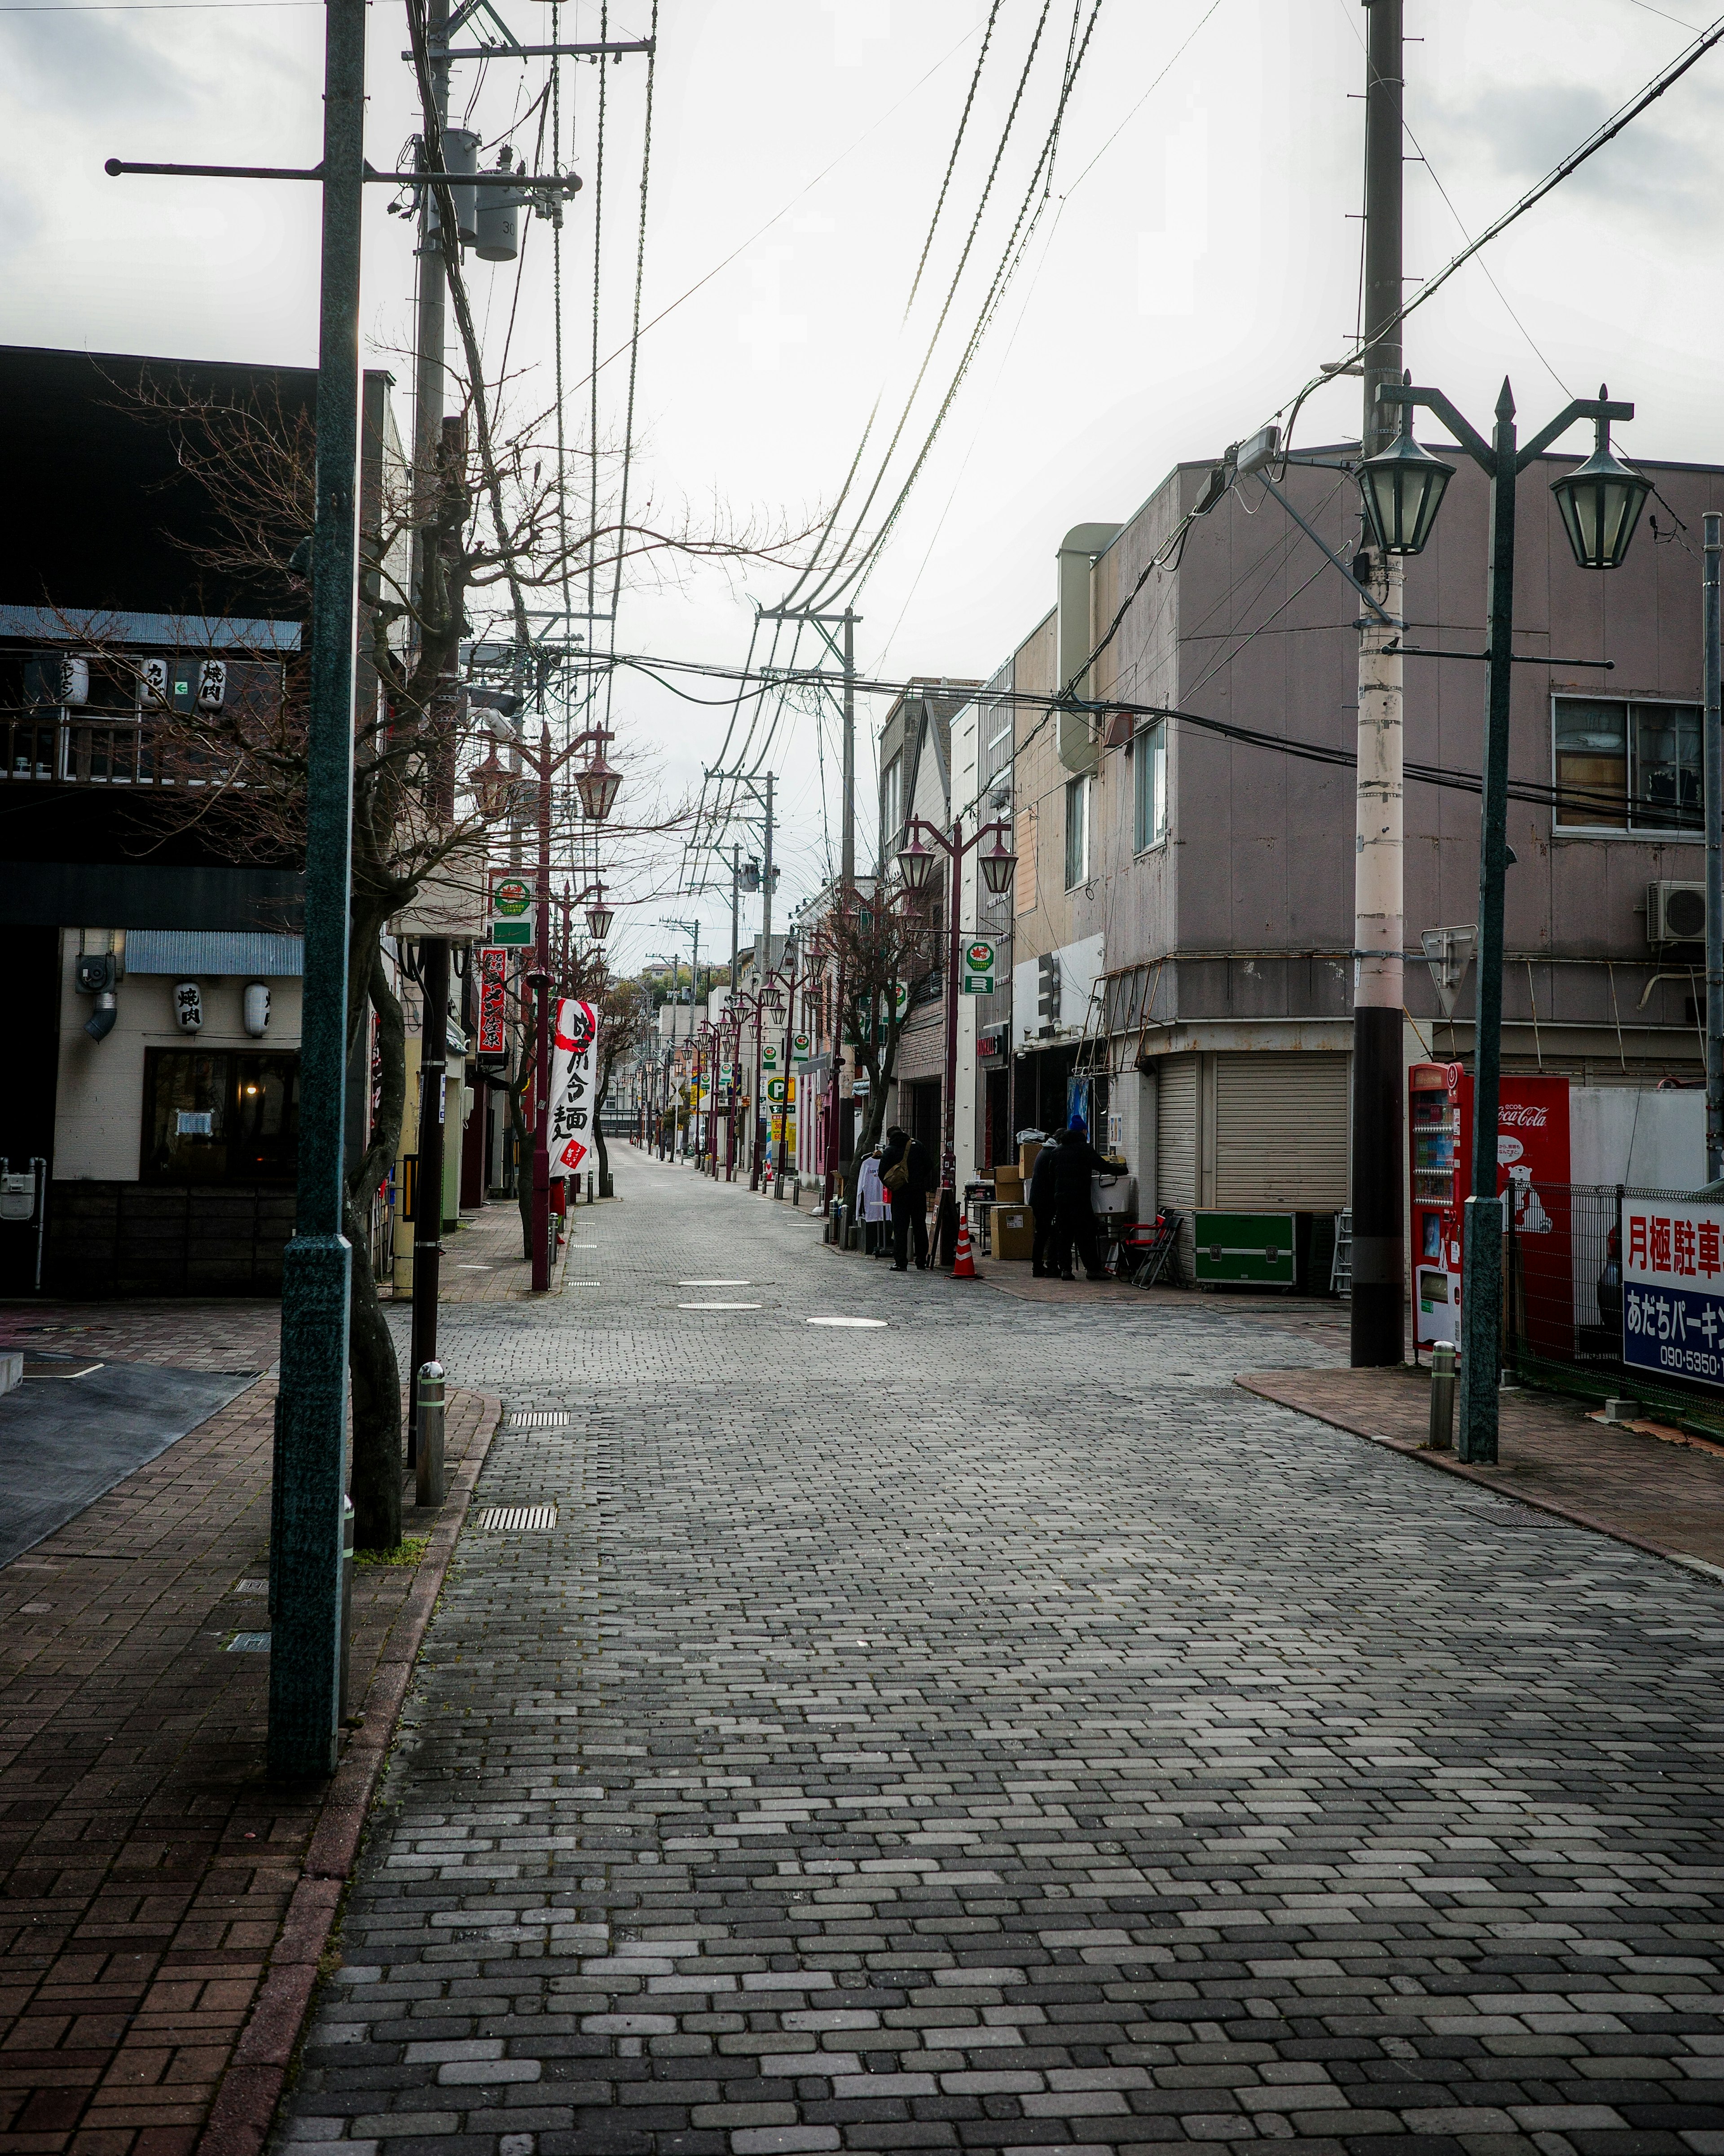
919, 1738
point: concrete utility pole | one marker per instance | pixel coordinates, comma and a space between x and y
1714, 800
1380, 933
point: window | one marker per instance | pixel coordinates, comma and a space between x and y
891, 805
1077, 833
1149, 786
1627, 767
214, 1116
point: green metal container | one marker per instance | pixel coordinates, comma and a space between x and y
1245, 1249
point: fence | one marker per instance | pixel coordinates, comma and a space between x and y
1562, 1299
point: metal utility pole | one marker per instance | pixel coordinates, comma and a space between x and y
1377, 1317
428, 1196
1714, 772
847, 849
311, 1412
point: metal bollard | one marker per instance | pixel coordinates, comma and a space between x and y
1442, 1429
346, 1708
428, 1482
592, 1183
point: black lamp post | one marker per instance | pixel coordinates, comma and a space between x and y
1600, 504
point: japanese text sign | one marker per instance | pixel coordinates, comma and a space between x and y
572, 1038
1673, 1288
493, 1001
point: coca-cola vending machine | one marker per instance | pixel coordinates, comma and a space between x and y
1531, 1162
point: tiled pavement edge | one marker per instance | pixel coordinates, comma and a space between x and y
162, 1908
1665, 1499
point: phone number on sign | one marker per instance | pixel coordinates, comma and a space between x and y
1688, 1362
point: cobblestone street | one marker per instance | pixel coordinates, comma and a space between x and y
940, 1720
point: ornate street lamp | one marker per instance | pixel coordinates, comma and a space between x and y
492, 782
1403, 487
597, 785
915, 865
998, 865
1600, 502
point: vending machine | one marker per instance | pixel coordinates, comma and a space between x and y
1531, 1163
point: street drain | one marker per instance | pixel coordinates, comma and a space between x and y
537, 1418
518, 1519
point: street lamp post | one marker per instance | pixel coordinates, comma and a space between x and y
597, 783
1600, 503
915, 864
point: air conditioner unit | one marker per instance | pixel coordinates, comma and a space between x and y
1675, 913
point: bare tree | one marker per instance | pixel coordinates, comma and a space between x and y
237, 767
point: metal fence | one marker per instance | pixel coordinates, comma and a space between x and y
1563, 1299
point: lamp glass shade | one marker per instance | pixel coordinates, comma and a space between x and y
998, 866
597, 785
773, 1003
491, 782
598, 921
915, 865
1600, 503
1403, 486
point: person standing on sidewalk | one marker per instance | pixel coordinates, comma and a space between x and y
1075, 1161
1043, 1205
906, 1178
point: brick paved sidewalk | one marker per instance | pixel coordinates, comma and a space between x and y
159, 1904
223, 1335
1667, 1498
482, 1261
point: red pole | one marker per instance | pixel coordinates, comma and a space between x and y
542, 1072
947, 1224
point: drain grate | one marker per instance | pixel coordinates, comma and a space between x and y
518, 1519
537, 1418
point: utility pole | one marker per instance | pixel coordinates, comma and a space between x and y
429, 470
761, 1124
1714, 797
309, 1474
1377, 1317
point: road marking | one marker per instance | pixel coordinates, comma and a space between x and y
715, 1283
718, 1306
845, 1320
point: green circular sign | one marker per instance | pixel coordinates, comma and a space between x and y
512, 896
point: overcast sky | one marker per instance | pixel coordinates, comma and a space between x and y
1197, 258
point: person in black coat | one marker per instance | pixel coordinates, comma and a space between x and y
1075, 1161
1043, 1253
910, 1204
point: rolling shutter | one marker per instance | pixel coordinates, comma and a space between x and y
1177, 1132
1280, 1131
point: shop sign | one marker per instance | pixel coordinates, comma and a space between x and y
1673, 1289
781, 1090
493, 1000
574, 1032
980, 959
801, 1047
513, 914
769, 1055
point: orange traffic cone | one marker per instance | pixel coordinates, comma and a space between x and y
964, 1264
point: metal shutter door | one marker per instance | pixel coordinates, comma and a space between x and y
1177, 1132
1280, 1131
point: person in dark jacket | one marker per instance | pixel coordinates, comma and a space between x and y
1043, 1253
1075, 1161
910, 1204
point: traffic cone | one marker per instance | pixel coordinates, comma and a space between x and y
964, 1264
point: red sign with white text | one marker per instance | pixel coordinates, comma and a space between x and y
493, 1000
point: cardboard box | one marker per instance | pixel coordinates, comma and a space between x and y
1012, 1231
1008, 1186
1026, 1156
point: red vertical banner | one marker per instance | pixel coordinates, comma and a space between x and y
493, 1000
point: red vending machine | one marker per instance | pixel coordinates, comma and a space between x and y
1531, 1162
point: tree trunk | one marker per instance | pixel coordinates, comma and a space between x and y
374, 1375
375, 1378
604, 1158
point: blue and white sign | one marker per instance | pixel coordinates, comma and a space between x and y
1673, 1289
